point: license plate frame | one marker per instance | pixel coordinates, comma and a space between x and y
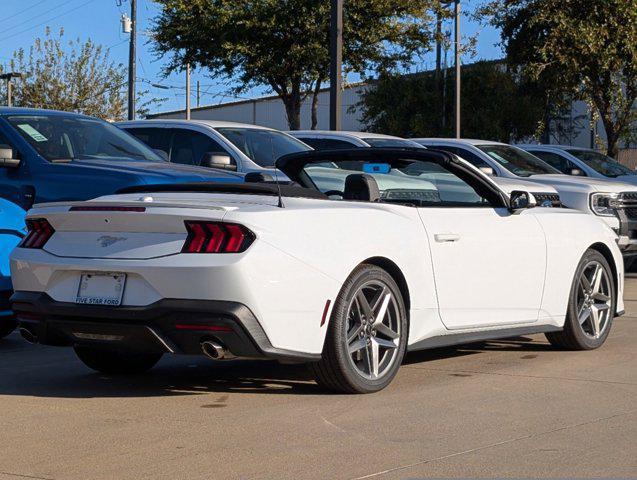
101, 289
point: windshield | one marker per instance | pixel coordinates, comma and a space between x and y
263, 147
391, 143
601, 163
60, 137
517, 161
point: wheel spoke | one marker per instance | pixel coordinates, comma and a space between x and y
375, 357
385, 343
594, 320
597, 278
379, 298
385, 330
601, 297
357, 345
382, 311
584, 314
353, 333
601, 307
585, 284
364, 305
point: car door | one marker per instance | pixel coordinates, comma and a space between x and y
489, 264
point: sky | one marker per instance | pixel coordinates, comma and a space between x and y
22, 21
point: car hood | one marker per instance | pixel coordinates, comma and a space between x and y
583, 184
511, 184
159, 172
631, 179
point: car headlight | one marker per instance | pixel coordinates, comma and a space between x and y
605, 204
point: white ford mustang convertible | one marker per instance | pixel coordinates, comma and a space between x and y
366, 255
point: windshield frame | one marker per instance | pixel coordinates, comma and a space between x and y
518, 171
223, 131
144, 153
579, 153
381, 142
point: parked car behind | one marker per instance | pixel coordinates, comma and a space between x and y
608, 199
583, 162
222, 145
330, 140
48, 156
12, 230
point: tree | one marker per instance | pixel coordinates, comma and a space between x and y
284, 44
75, 77
497, 104
577, 49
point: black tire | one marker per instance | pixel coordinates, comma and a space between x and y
335, 371
573, 336
116, 362
7, 326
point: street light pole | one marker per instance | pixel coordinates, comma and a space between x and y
187, 91
457, 51
132, 73
336, 63
8, 77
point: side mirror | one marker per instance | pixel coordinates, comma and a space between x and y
258, 177
217, 160
486, 170
520, 200
7, 157
161, 153
575, 171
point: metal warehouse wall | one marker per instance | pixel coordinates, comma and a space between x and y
270, 112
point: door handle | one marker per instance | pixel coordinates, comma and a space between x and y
446, 237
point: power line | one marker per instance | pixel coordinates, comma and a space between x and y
22, 11
46, 21
37, 16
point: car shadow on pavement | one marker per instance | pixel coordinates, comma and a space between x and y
28, 370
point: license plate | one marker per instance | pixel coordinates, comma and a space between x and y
101, 289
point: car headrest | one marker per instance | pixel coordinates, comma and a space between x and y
361, 186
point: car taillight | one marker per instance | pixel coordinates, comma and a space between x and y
214, 237
39, 230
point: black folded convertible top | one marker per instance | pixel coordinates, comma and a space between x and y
269, 189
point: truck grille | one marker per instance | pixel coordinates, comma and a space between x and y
542, 198
629, 199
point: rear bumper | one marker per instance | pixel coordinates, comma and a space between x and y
168, 325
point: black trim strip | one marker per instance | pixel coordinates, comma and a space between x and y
480, 336
5, 231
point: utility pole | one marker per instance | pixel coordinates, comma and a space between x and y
336, 63
187, 91
438, 69
457, 48
8, 77
198, 93
132, 56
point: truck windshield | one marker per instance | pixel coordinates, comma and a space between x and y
263, 147
61, 137
517, 161
601, 163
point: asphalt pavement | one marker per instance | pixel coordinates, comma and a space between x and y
514, 407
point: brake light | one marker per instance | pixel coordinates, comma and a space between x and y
39, 231
215, 237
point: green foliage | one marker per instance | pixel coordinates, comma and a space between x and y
284, 44
577, 49
74, 77
496, 105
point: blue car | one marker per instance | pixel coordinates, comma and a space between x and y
11, 232
50, 156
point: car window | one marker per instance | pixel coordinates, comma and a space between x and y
601, 163
390, 142
463, 153
67, 137
188, 146
410, 182
326, 143
156, 138
555, 160
517, 161
264, 147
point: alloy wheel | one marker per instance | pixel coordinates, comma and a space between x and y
594, 300
373, 329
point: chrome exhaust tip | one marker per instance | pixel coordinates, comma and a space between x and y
28, 335
214, 350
